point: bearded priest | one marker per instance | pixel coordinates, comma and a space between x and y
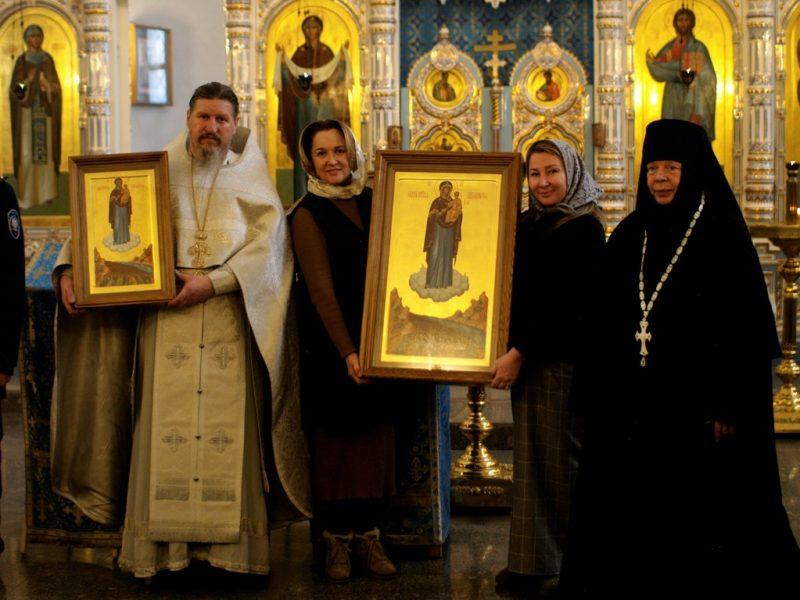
217, 444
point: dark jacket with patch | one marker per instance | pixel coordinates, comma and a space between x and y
12, 262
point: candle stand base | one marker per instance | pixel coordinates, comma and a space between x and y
478, 480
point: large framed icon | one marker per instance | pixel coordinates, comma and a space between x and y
440, 264
121, 229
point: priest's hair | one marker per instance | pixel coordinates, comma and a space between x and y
215, 90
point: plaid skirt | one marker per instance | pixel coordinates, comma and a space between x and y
547, 440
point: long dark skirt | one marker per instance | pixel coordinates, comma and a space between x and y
355, 464
353, 451
547, 440
352, 437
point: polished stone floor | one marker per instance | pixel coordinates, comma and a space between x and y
475, 552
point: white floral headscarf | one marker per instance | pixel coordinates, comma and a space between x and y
358, 170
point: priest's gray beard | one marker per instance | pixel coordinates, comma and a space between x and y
209, 158
206, 164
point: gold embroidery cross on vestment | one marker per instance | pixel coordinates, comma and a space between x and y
220, 441
177, 356
174, 439
223, 357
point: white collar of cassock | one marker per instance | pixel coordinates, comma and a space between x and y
230, 158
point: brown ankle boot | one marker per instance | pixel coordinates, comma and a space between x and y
370, 557
337, 556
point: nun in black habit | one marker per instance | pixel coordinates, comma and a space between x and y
678, 484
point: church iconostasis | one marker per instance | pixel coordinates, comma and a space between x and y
312, 67
445, 108
683, 59
40, 103
548, 88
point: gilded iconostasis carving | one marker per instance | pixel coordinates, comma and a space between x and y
445, 99
549, 95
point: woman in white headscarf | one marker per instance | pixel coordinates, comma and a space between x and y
559, 245
348, 417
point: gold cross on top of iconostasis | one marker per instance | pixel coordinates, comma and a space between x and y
495, 46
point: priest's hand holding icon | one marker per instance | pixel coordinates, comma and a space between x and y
196, 289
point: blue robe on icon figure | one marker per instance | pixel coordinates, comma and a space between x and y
442, 235
120, 210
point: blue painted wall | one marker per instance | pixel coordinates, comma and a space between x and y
519, 21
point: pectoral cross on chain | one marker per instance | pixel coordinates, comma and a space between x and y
199, 250
643, 336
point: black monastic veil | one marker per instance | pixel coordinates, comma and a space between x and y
658, 500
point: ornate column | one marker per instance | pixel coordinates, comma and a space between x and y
780, 118
759, 203
381, 72
610, 159
96, 75
497, 96
238, 33
260, 101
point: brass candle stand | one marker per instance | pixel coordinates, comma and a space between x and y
478, 480
786, 236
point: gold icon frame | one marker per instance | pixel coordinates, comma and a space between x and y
405, 184
100, 281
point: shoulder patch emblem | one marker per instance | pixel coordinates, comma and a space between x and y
14, 226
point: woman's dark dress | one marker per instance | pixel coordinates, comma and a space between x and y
351, 432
